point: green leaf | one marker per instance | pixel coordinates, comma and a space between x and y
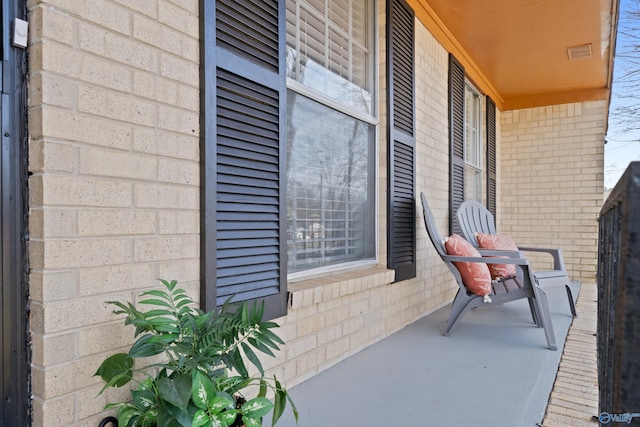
220, 403
175, 390
260, 346
263, 388
269, 338
202, 390
200, 418
293, 407
167, 417
251, 422
143, 399
180, 293
126, 414
218, 420
163, 325
245, 313
252, 357
229, 416
146, 346
165, 339
157, 302
125, 308
257, 407
155, 293
258, 313
159, 312
280, 402
169, 285
185, 306
269, 325
235, 359
233, 384
116, 370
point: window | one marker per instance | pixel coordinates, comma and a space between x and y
329, 51
470, 149
472, 144
331, 126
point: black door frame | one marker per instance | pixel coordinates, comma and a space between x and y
14, 270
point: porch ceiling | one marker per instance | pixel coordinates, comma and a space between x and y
516, 50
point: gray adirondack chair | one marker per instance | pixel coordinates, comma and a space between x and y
473, 217
523, 286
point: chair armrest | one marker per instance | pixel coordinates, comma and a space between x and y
486, 260
522, 263
500, 252
558, 259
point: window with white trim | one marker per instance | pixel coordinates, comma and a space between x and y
472, 144
331, 129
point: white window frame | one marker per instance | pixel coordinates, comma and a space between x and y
475, 164
371, 119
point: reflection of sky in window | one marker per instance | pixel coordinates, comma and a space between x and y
318, 78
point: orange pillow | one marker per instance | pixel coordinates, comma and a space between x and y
476, 276
498, 242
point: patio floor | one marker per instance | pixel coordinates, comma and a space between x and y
493, 370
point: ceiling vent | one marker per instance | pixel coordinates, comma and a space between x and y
582, 51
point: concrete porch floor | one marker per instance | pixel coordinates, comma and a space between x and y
493, 370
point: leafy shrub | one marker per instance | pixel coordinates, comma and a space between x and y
203, 376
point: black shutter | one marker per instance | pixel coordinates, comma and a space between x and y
491, 157
456, 141
243, 130
401, 151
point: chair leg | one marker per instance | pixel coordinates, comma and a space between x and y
542, 305
572, 305
534, 315
461, 304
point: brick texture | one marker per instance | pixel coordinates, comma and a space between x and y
552, 181
574, 398
114, 113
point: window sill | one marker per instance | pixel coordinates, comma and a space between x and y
323, 289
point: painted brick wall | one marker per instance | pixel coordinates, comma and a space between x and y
552, 180
114, 100
432, 162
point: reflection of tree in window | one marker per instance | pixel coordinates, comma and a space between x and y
330, 132
330, 183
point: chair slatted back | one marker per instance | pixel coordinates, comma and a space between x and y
474, 217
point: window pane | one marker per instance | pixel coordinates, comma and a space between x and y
330, 191
472, 127
472, 184
328, 49
472, 145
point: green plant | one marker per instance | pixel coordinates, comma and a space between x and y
202, 376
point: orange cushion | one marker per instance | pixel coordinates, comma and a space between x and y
476, 276
498, 242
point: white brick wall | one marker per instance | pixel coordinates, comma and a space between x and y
552, 180
114, 116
